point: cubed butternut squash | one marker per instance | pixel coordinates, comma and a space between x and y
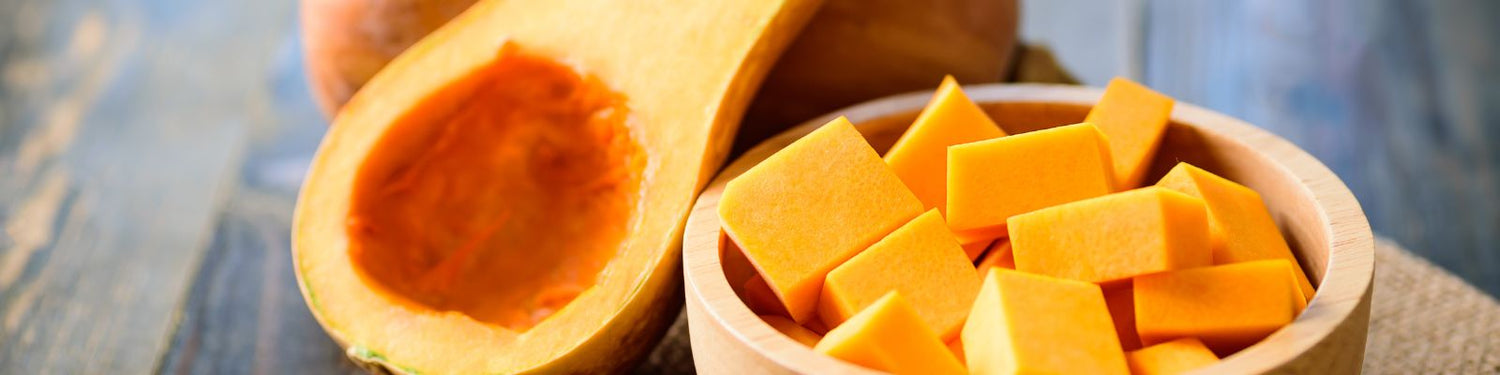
1121, 301
810, 207
998, 256
1113, 237
992, 180
975, 249
956, 346
816, 325
920, 156
1133, 118
890, 336
1229, 307
1240, 227
761, 299
1027, 323
792, 330
1171, 357
922, 260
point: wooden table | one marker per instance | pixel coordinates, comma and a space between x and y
150, 153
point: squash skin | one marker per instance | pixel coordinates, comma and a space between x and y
346, 41
845, 55
653, 296
617, 349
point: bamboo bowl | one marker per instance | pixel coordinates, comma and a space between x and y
1320, 218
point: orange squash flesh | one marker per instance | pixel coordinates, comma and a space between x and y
1133, 118
998, 256
793, 330
1170, 358
990, 181
1229, 307
1240, 227
920, 156
817, 326
1121, 301
776, 211
889, 336
400, 215
1025, 323
1113, 237
434, 220
956, 346
922, 260
761, 299
973, 250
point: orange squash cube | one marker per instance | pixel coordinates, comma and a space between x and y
792, 330
1229, 307
956, 346
973, 250
922, 260
761, 299
1133, 118
810, 207
990, 181
920, 156
1240, 227
1121, 301
998, 256
817, 326
1113, 237
1026, 323
889, 336
1171, 357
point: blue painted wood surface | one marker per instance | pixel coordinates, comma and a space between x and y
150, 152
125, 129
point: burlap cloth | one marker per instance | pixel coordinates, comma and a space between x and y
1423, 320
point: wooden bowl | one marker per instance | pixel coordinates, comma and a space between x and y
1320, 218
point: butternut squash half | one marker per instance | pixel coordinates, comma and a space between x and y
507, 196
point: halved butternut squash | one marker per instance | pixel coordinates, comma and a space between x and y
508, 195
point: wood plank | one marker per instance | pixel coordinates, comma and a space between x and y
245, 314
1466, 68
1396, 97
120, 133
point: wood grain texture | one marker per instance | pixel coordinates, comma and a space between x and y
121, 136
244, 314
1318, 215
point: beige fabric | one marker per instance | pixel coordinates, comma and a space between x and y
1424, 320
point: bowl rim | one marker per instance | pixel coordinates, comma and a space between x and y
1344, 290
